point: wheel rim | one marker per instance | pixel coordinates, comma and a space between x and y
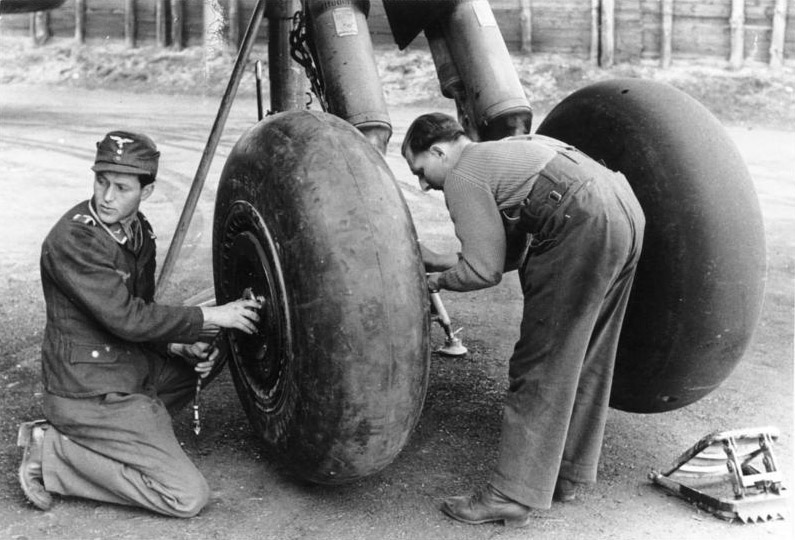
250, 260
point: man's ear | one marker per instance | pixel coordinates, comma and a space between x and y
437, 150
147, 190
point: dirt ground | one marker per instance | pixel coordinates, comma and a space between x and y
47, 136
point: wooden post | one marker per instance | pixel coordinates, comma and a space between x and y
595, 33
161, 26
80, 21
667, 33
608, 33
779, 33
32, 27
737, 26
40, 30
234, 23
129, 23
177, 14
526, 19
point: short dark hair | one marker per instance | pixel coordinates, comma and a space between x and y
429, 129
146, 179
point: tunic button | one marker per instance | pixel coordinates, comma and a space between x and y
94, 354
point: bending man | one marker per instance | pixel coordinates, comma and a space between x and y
574, 230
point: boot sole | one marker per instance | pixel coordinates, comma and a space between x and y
43, 500
515, 523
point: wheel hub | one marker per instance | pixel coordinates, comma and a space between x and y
250, 263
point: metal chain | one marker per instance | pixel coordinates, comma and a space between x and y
301, 53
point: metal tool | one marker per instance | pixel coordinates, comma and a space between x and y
452, 343
704, 473
258, 82
197, 427
248, 294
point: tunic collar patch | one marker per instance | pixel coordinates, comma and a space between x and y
117, 234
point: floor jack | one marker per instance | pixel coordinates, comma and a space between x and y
452, 343
722, 475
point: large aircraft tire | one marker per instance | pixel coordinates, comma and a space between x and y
698, 290
308, 215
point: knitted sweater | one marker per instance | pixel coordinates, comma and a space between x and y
490, 177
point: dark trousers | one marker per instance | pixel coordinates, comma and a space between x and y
121, 448
587, 231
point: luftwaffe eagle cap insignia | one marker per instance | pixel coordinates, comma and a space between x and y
126, 152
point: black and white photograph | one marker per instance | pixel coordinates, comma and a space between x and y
397, 269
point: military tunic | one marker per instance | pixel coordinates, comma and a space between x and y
109, 384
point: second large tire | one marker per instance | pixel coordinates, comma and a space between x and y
308, 215
700, 282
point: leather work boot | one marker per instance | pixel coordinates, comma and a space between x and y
31, 438
487, 505
565, 490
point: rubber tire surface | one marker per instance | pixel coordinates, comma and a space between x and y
346, 292
699, 287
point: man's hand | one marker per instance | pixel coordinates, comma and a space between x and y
433, 281
239, 314
200, 355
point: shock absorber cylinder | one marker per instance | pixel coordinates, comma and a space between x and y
343, 50
484, 64
287, 79
450, 82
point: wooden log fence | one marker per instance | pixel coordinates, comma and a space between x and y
664, 27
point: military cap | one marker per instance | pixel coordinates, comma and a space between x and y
127, 152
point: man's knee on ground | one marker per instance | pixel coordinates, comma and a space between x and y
192, 496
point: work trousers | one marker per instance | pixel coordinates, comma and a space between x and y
587, 233
121, 448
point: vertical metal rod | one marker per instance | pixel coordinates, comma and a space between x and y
258, 77
212, 144
288, 83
